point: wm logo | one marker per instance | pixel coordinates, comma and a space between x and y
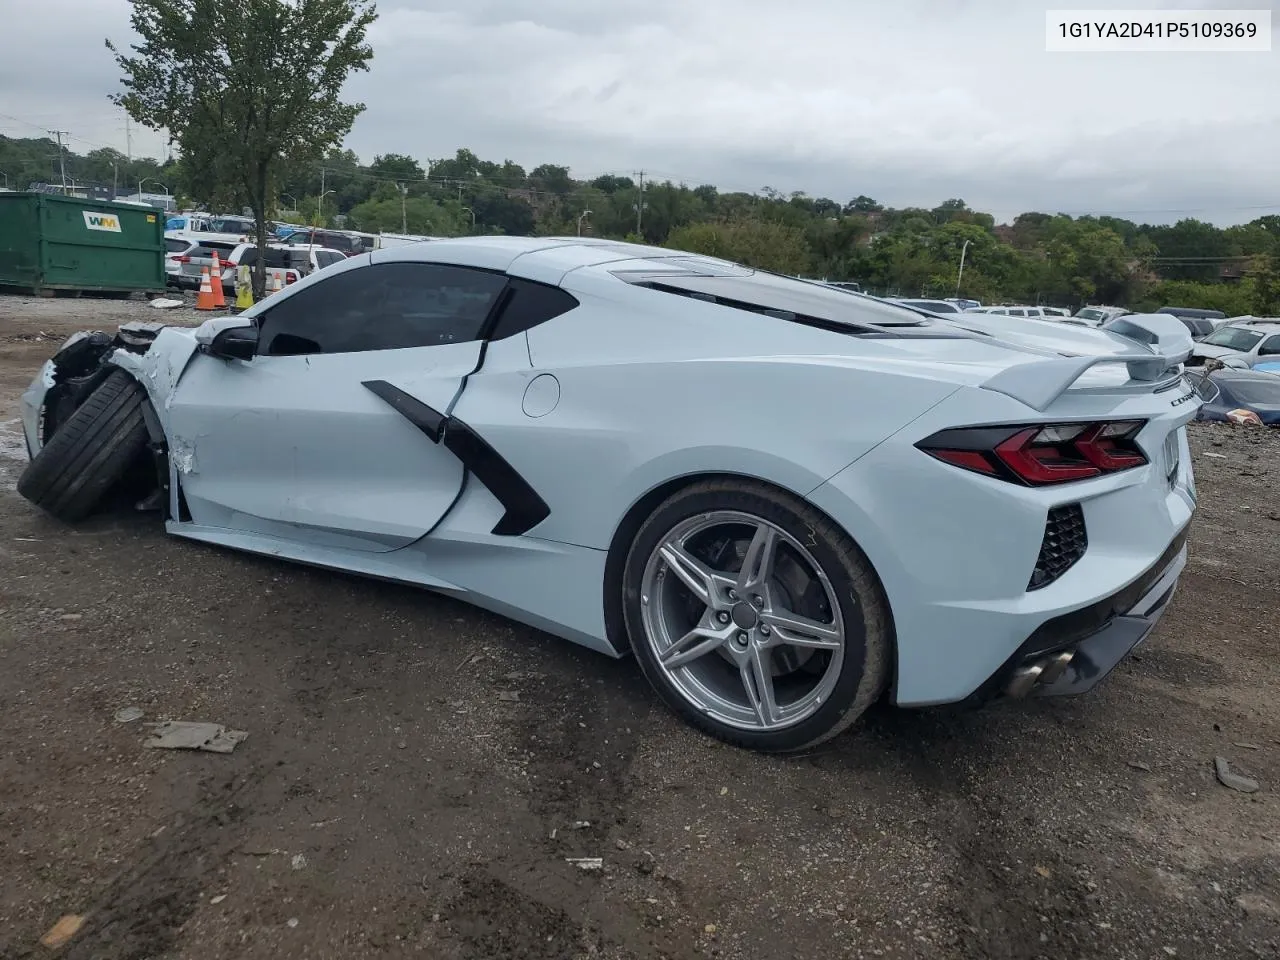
101, 221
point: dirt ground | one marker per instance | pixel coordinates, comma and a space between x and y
417, 772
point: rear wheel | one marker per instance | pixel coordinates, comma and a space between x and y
90, 452
755, 617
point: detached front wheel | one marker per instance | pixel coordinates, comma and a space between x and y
755, 617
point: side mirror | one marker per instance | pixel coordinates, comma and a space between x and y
238, 343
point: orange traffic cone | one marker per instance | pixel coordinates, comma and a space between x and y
215, 281
205, 299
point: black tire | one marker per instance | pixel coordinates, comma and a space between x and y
91, 452
869, 644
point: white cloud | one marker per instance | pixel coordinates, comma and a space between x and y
911, 102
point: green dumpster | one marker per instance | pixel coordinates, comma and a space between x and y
50, 242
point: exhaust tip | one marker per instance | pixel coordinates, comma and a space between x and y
1039, 672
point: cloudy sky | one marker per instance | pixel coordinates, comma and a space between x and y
911, 102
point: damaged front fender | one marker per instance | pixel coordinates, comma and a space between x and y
154, 354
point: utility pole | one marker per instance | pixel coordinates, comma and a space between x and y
640, 203
62, 162
960, 274
404, 216
321, 186
128, 140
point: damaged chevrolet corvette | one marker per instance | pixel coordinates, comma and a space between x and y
788, 501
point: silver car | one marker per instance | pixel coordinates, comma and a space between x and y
1248, 339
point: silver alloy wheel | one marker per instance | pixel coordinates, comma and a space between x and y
728, 635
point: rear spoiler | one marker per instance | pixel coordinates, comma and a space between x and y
1162, 344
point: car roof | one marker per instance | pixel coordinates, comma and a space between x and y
546, 259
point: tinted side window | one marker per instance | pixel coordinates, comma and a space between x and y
326, 258
528, 305
387, 306
1270, 346
175, 246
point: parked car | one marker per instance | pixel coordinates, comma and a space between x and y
964, 304
348, 243
1199, 322
844, 285
1034, 313
1247, 340
1052, 312
933, 306
1097, 316
1238, 396
176, 248
241, 225
437, 416
197, 255
284, 263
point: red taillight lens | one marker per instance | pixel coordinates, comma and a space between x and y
1041, 454
183, 259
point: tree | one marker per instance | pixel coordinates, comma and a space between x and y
551, 178
769, 246
396, 166
245, 89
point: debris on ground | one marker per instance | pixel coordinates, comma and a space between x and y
1139, 765
509, 696
184, 735
62, 931
1233, 780
298, 862
586, 863
1247, 746
129, 714
167, 303
218, 899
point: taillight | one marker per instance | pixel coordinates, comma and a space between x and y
183, 259
1041, 454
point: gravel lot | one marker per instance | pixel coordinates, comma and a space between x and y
417, 772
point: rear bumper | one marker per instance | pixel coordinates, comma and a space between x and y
954, 550
1072, 653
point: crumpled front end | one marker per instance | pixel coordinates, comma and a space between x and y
66, 380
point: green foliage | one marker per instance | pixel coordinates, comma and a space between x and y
1235, 300
757, 243
245, 89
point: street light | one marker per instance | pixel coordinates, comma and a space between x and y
292, 199
473, 218
961, 273
319, 207
156, 182
585, 213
